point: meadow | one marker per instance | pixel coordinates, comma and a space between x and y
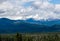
54, 36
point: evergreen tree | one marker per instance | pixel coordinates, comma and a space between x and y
19, 37
0, 38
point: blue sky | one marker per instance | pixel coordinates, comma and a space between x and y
27, 4
52, 1
55, 1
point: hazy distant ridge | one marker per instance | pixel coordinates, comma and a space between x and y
29, 25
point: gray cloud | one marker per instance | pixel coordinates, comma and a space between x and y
1, 11
1, 1
37, 10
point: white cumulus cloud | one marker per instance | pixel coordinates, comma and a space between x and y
37, 9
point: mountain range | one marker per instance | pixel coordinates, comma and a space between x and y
29, 25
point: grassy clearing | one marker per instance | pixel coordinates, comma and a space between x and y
54, 36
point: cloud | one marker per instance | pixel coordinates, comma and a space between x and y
1, 1
37, 9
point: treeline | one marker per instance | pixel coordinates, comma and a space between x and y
30, 37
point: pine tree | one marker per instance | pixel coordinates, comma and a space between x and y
0, 38
19, 37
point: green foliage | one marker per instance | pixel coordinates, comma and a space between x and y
31, 37
19, 37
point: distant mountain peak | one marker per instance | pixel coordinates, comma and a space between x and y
32, 21
29, 25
